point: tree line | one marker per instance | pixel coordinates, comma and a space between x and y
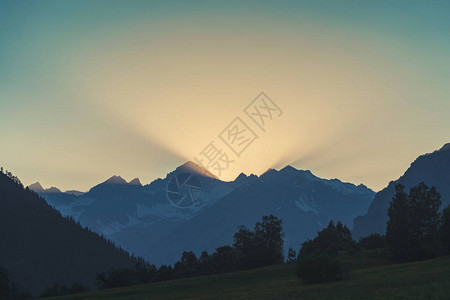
11, 176
416, 230
259, 247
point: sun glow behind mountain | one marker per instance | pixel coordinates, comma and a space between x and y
138, 90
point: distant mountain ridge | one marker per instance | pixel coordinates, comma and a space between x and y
37, 187
432, 168
135, 181
304, 202
141, 219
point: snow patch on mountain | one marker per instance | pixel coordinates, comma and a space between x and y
304, 206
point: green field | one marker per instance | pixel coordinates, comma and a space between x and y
370, 278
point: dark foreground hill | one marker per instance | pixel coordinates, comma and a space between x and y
41, 248
432, 168
370, 278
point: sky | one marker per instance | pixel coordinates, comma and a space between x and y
91, 89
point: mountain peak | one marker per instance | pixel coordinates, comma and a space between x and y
36, 187
288, 168
53, 190
241, 176
135, 181
192, 167
116, 180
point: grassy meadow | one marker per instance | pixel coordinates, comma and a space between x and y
370, 277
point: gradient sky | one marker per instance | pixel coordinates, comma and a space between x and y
91, 89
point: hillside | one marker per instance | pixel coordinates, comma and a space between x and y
432, 168
372, 278
40, 248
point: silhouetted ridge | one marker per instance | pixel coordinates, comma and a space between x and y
433, 169
36, 187
116, 180
40, 248
241, 177
191, 167
446, 147
135, 181
288, 168
53, 190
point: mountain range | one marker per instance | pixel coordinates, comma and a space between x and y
189, 209
142, 219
